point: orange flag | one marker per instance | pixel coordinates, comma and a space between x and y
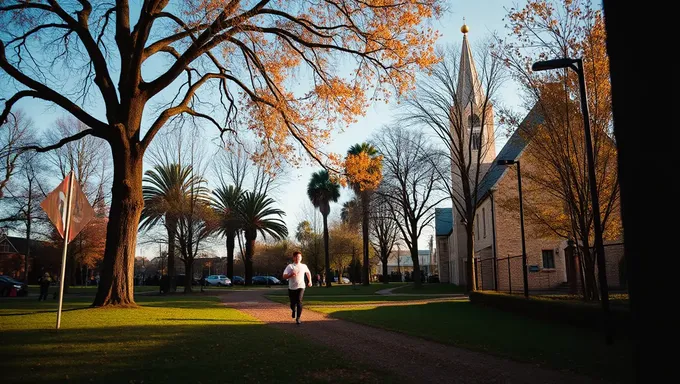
55, 206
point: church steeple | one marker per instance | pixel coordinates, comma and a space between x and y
469, 102
469, 89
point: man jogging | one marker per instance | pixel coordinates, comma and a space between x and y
295, 274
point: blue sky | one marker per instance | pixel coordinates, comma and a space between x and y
483, 18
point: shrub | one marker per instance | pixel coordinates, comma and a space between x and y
581, 314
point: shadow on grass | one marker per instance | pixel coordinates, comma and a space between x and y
211, 320
242, 351
503, 334
45, 311
28, 305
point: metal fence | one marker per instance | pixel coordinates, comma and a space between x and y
505, 273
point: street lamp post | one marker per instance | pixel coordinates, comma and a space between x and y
577, 66
521, 223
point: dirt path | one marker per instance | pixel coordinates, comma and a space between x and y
412, 358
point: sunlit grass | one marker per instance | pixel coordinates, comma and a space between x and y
167, 339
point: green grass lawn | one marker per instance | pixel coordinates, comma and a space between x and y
430, 288
501, 333
349, 300
90, 289
168, 339
344, 289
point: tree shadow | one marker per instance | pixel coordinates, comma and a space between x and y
245, 351
507, 335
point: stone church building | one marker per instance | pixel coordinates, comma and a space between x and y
497, 238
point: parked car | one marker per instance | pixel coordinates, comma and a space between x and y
8, 285
344, 280
218, 280
238, 280
262, 280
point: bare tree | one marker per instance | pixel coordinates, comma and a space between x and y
236, 167
384, 231
87, 157
13, 136
239, 55
456, 103
557, 197
21, 204
196, 223
411, 171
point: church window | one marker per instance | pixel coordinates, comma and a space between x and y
476, 141
474, 120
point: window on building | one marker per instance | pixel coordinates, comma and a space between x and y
474, 120
484, 221
476, 141
548, 258
4, 247
477, 229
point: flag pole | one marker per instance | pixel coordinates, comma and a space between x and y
67, 229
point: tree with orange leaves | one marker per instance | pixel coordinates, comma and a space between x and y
241, 55
363, 167
557, 193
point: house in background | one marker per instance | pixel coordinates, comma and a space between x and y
43, 258
400, 261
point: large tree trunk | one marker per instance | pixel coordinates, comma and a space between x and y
116, 286
384, 269
590, 290
588, 265
471, 285
416, 263
248, 262
172, 233
364, 228
188, 274
327, 256
231, 244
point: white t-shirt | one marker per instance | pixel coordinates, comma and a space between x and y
297, 281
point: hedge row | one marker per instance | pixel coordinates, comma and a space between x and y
573, 313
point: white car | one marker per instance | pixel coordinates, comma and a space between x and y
219, 280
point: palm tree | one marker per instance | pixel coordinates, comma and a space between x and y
350, 213
322, 191
364, 189
225, 202
255, 211
165, 189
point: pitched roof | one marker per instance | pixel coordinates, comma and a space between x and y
512, 150
19, 243
443, 221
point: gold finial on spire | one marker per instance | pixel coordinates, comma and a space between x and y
464, 28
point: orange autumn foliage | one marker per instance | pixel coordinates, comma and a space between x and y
363, 170
557, 191
384, 40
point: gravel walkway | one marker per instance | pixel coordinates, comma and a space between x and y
412, 358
